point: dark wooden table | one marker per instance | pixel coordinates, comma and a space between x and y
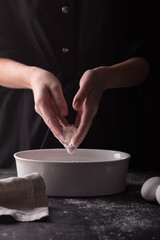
122, 216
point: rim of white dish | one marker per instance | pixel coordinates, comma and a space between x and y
71, 159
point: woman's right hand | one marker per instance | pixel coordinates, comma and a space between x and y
49, 101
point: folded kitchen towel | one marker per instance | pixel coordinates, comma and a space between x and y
24, 198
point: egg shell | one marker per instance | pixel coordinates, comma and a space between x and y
158, 194
148, 190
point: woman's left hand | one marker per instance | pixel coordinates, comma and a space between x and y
131, 72
86, 102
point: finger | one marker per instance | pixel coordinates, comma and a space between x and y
82, 130
77, 120
85, 88
85, 118
54, 126
85, 122
63, 122
56, 92
47, 109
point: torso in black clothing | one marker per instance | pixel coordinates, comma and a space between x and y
67, 42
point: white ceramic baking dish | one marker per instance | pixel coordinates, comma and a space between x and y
88, 172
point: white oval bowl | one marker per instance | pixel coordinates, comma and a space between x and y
88, 172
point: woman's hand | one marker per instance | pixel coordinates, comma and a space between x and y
86, 103
48, 96
131, 72
49, 100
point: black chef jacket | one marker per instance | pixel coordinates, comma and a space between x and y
67, 37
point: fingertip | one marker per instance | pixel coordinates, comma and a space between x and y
78, 100
73, 144
76, 105
76, 141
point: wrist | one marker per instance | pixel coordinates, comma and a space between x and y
31, 76
37, 76
131, 72
103, 73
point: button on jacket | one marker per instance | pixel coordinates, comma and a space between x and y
67, 37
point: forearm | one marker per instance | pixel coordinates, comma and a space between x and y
93, 83
129, 73
14, 74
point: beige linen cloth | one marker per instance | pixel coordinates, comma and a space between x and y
24, 198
